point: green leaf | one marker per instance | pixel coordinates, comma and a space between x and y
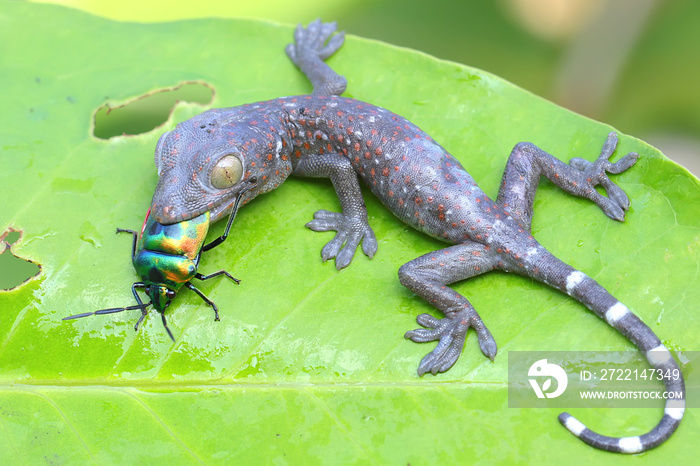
308, 365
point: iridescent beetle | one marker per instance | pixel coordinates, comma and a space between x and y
167, 256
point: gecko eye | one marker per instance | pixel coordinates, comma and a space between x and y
227, 172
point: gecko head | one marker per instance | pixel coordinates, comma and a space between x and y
204, 165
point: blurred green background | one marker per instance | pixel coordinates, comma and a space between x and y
631, 63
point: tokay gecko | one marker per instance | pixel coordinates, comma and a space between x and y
208, 162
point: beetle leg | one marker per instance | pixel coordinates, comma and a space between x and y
199, 276
143, 307
223, 237
205, 299
136, 238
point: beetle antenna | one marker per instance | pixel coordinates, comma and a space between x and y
165, 324
109, 311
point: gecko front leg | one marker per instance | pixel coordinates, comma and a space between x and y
310, 48
352, 225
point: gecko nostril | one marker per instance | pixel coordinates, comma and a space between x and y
141, 114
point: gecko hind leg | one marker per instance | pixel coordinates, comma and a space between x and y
527, 163
428, 276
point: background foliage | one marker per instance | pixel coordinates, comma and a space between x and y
630, 63
307, 364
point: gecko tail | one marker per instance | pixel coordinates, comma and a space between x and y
590, 293
661, 360
630, 445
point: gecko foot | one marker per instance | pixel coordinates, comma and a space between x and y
351, 231
312, 40
451, 332
595, 174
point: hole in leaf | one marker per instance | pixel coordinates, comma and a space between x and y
147, 112
14, 270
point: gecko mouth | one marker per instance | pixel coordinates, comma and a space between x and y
169, 214
166, 216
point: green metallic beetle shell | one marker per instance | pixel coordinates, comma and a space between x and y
157, 268
169, 254
180, 239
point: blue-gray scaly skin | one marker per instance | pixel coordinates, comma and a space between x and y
324, 135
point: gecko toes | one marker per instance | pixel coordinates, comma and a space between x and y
369, 243
596, 173
351, 231
333, 247
450, 333
316, 39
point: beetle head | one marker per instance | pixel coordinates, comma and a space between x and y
161, 296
